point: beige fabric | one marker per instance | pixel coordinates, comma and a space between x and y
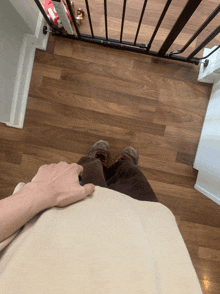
11, 238
108, 243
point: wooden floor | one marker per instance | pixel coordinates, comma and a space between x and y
81, 93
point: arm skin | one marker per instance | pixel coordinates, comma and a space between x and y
54, 185
17, 209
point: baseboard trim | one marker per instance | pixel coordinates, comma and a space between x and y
207, 193
24, 72
208, 185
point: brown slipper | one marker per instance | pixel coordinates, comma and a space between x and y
129, 153
101, 151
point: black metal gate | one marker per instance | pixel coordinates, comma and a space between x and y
181, 21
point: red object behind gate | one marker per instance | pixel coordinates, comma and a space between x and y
52, 14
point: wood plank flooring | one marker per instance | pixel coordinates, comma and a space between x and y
81, 93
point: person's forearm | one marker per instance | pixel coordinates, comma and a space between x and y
17, 209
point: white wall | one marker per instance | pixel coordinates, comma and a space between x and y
12, 30
21, 32
28, 11
207, 160
208, 153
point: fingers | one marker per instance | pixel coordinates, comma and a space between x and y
88, 189
79, 169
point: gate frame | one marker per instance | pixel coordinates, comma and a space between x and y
181, 21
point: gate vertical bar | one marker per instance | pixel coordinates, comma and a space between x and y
158, 24
73, 18
106, 23
139, 25
185, 15
90, 22
123, 17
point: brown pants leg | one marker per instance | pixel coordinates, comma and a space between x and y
123, 176
92, 171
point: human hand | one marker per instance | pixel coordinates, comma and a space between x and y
60, 183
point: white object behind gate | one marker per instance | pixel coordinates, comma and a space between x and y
60, 9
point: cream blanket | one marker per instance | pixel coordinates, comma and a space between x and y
108, 243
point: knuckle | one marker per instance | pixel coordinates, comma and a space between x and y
75, 165
43, 166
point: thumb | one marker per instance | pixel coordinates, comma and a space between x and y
88, 189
